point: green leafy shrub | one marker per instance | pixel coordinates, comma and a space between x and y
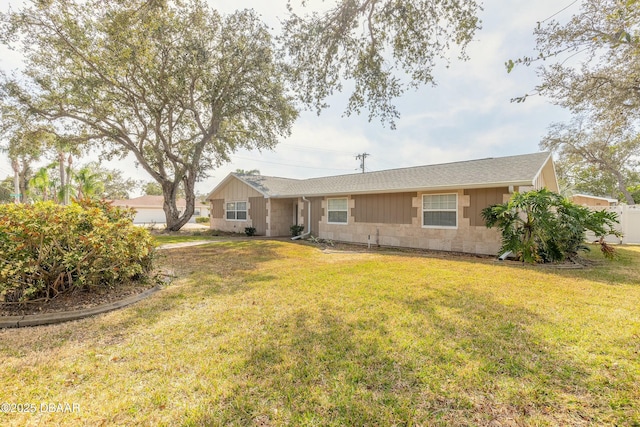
250, 231
543, 226
296, 230
47, 249
202, 220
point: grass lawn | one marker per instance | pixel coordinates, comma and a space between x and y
163, 239
274, 333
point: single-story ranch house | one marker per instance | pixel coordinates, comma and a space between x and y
593, 202
430, 207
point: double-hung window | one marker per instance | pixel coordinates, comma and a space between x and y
440, 210
337, 211
237, 211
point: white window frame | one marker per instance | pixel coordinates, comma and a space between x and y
338, 210
236, 210
424, 196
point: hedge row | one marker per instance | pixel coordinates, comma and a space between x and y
47, 249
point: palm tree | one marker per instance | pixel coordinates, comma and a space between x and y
42, 183
88, 183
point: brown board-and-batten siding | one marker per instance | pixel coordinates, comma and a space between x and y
217, 208
479, 199
258, 214
393, 208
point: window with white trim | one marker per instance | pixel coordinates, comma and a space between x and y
440, 210
237, 211
337, 211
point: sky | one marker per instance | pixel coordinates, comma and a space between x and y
467, 115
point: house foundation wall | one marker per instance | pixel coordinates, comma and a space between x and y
465, 238
230, 226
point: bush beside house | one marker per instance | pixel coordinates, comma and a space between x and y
543, 226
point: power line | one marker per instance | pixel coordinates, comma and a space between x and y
290, 165
560, 11
307, 148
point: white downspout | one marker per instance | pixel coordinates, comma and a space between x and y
308, 221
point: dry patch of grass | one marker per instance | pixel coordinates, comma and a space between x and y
162, 239
275, 333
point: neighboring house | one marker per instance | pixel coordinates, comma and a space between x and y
593, 201
431, 207
149, 209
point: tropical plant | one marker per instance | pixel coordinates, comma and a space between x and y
88, 183
543, 226
113, 184
6, 190
41, 185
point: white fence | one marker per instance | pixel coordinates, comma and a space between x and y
629, 217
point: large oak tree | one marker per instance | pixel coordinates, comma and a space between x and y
590, 64
376, 48
611, 150
174, 83
591, 61
182, 87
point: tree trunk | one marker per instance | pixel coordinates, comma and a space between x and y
16, 180
63, 196
623, 187
23, 183
67, 185
174, 219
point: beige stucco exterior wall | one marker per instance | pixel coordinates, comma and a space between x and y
280, 216
464, 238
231, 226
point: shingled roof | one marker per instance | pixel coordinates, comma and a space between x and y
520, 170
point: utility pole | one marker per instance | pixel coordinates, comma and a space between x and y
361, 157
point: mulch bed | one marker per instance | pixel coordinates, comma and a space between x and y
75, 300
340, 247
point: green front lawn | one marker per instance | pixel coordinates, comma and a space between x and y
274, 333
